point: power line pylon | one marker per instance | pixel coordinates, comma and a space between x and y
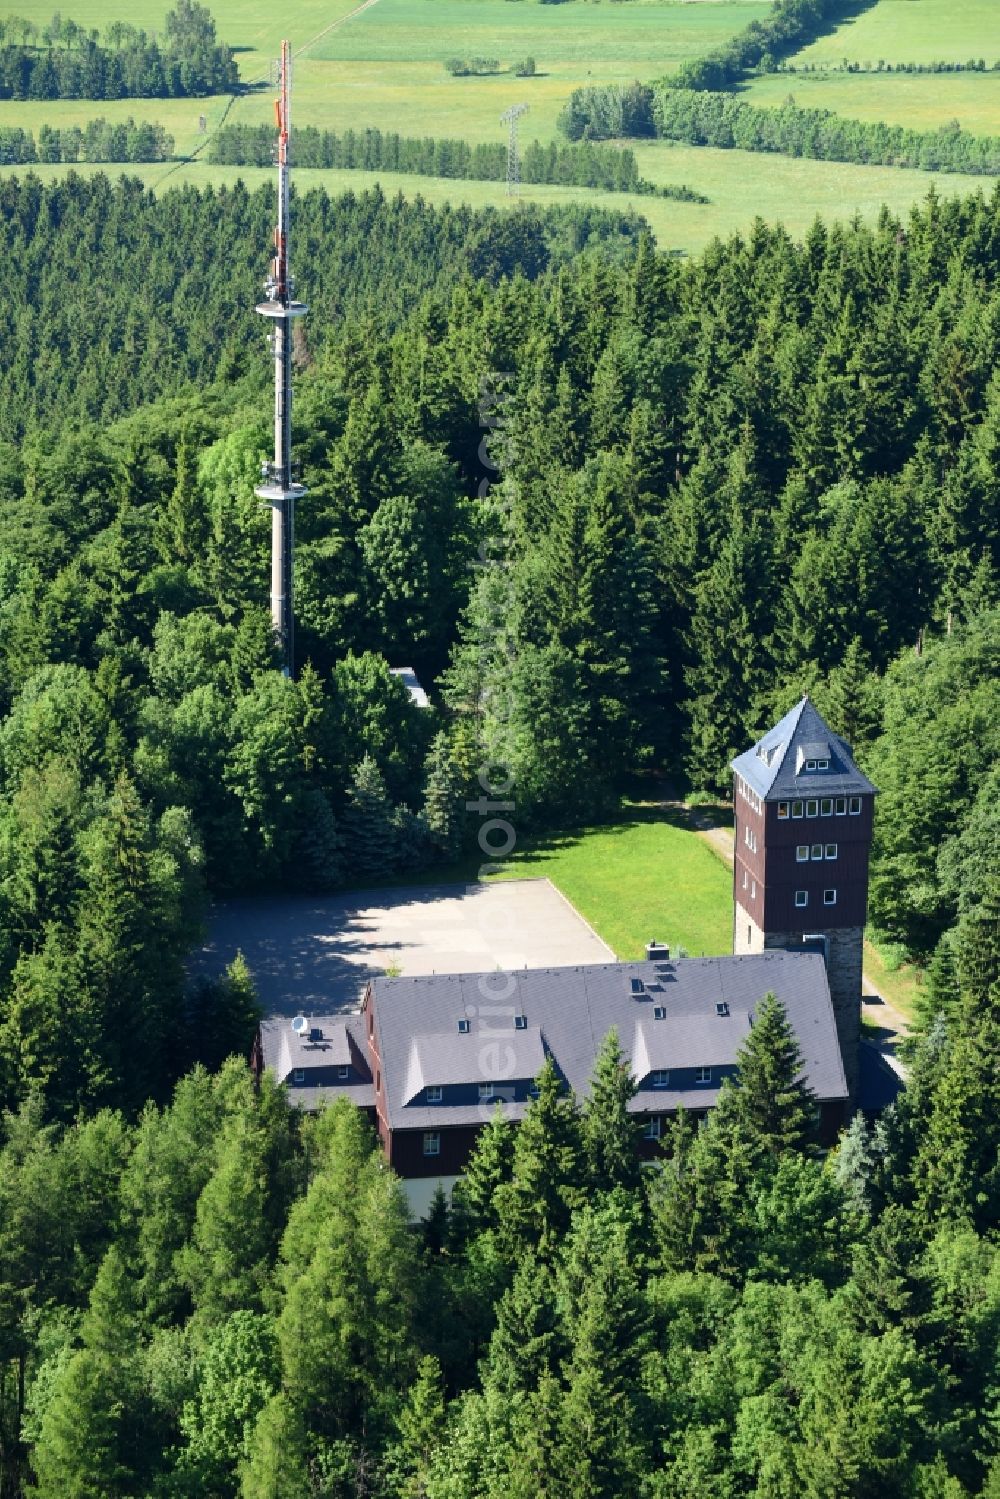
511, 117
280, 487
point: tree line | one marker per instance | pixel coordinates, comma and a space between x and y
723, 120
221, 1297
789, 26
728, 123
99, 140
940, 65
75, 65
577, 165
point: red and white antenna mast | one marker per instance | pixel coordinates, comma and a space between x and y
280, 488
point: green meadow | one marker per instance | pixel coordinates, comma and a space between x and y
913, 31
384, 67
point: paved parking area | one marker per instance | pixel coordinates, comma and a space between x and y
316, 954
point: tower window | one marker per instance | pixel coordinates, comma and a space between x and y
855, 807
703, 1075
434, 1095
831, 850
782, 811
432, 1142
652, 1128
343, 1072
811, 764
753, 889
802, 853
826, 807
750, 838
841, 806
829, 897
797, 808
817, 851
660, 1078
801, 898
299, 1075
746, 880
485, 1092
812, 807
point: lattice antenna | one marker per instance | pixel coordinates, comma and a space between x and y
280, 487
510, 117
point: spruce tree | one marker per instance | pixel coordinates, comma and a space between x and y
370, 833
771, 1103
610, 1133
444, 798
548, 1169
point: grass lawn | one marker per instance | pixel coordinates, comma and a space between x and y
639, 878
913, 31
922, 101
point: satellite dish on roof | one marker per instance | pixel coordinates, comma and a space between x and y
300, 1025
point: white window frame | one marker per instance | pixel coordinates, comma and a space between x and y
854, 806
813, 802
343, 1072
830, 850
746, 880
784, 808
660, 1078
826, 806
487, 1092
801, 899
653, 1128
815, 851
703, 1075
753, 889
299, 1075
801, 807
432, 1142
802, 853
435, 1093
822, 765
829, 897
520, 1022
464, 1027
659, 1012
811, 764
840, 806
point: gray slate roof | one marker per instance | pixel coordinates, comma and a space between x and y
774, 767
341, 1043
571, 1010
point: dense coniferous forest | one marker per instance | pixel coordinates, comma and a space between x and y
73, 64
713, 485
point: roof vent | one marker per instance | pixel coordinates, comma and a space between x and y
300, 1025
638, 988
722, 1007
657, 952
463, 1027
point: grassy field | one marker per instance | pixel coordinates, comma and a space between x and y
913, 31
922, 101
639, 878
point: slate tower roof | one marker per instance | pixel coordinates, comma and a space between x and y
800, 750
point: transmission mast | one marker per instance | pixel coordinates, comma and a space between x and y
510, 117
280, 487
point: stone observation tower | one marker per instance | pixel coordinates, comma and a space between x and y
280, 487
804, 815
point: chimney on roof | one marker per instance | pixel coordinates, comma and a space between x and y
657, 952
